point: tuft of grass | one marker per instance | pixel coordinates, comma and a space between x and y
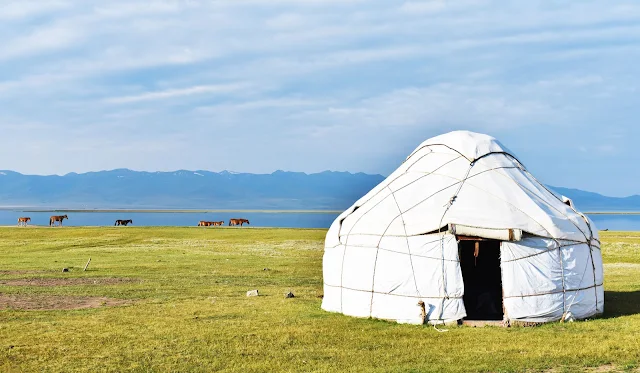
189, 311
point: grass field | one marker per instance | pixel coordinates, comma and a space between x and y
173, 299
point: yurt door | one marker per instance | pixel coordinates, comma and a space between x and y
481, 273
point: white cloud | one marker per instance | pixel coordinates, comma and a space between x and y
287, 21
487, 108
23, 9
279, 103
425, 6
178, 92
574, 81
133, 8
49, 38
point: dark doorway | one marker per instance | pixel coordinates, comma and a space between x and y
482, 276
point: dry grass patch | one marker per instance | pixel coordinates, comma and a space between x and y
67, 281
599, 369
55, 302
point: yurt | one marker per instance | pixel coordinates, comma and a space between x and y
462, 231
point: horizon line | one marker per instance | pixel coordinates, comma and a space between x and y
3, 172
36, 209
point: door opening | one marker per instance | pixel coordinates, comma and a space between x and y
482, 276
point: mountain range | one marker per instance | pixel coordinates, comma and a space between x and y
123, 188
184, 189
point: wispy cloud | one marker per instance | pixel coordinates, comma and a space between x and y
428, 6
24, 9
178, 92
46, 39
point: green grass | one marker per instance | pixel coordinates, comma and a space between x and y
190, 312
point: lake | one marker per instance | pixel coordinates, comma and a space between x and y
616, 222
258, 219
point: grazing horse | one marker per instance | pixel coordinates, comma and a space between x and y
59, 219
123, 222
239, 222
23, 221
210, 223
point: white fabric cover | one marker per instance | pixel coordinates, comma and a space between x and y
391, 249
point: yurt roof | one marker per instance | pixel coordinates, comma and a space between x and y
467, 179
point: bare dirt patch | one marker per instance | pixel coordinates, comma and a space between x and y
67, 281
56, 302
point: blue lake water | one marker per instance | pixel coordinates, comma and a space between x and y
257, 219
617, 222
181, 219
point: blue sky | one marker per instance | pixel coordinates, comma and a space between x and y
311, 85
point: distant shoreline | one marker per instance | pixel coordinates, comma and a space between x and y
176, 211
201, 211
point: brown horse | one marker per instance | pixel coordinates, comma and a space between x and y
59, 219
123, 222
203, 223
23, 221
239, 222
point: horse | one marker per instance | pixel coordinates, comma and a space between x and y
240, 222
23, 221
59, 219
203, 223
123, 222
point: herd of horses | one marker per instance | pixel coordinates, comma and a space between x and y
203, 223
24, 221
232, 222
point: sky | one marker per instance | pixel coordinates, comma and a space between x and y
313, 85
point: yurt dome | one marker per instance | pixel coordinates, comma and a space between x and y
462, 231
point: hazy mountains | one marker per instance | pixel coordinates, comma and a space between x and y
220, 190
186, 189
589, 201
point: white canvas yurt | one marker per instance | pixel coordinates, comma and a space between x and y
462, 231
